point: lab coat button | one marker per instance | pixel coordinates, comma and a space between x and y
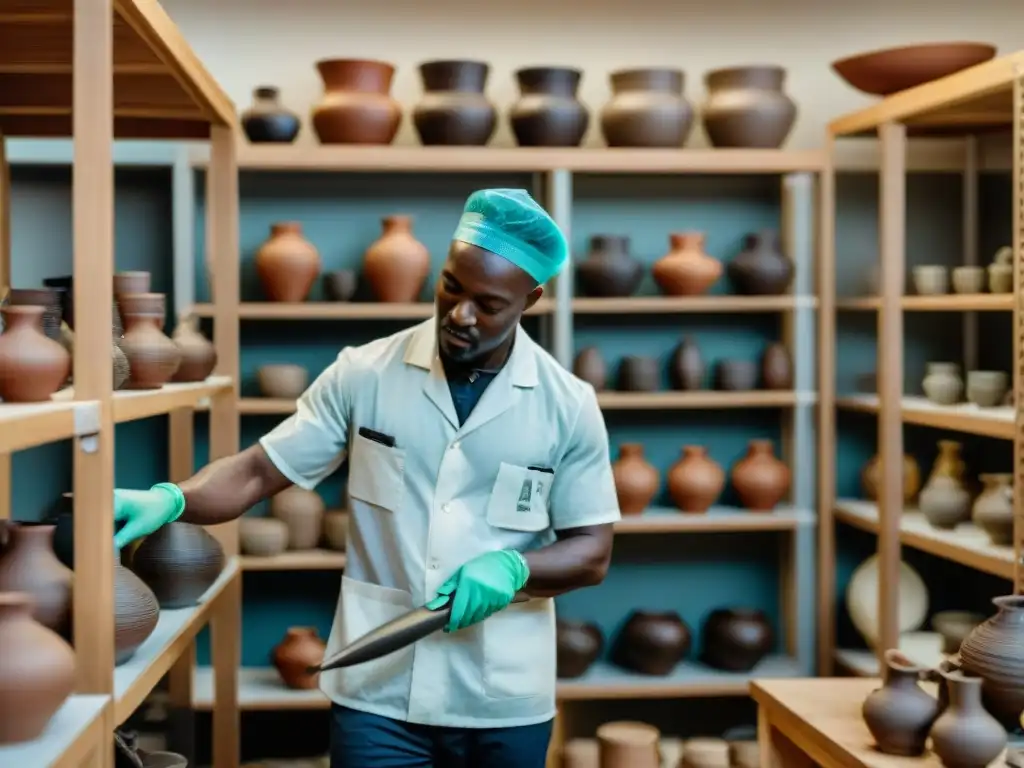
446, 507
455, 446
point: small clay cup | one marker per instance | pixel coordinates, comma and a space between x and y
931, 280
969, 280
736, 375
987, 389
339, 284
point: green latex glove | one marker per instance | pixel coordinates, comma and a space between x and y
143, 512
483, 586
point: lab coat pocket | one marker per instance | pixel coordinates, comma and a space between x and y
519, 499
376, 473
519, 650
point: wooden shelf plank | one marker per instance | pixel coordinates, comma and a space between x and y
715, 520
956, 302
705, 399
259, 688
966, 417
305, 560
642, 305
72, 733
134, 404
923, 648
339, 310
31, 424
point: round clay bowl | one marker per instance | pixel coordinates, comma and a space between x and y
887, 71
282, 381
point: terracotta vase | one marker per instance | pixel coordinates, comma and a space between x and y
993, 509
287, 263
303, 512
37, 674
651, 642
28, 564
695, 481
266, 121
638, 374
736, 639
609, 270
134, 281
870, 477
777, 368
397, 265
300, 649
965, 735
578, 645
262, 536
636, 480
746, 107
32, 367
179, 562
136, 612
590, 366
547, 112
647, 109
198, 356
48, 298
900, 714
453, 110
628, 744
152, 357
760, 479
686, 270
686, 367
760, 269
994, 651
357, 107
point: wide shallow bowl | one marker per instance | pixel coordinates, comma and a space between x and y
888, 71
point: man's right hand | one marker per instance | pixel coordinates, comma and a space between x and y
143, 512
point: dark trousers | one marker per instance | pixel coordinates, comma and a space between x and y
362, 740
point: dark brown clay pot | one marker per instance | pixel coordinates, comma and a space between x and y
638, 374
198, 356
647, 109
179, 562
686, 270
32, 367
578, 644
636, 479
454, 110
300, 649
900, 714
760, 479
652, 643
686, 368
356, 107
47, 298
736, 375
994, 651
746, 107
589, 365
965, 735
28, 564
609, 270
736, 639
266, 121
152, 357
547, 113
397, 265
136, 612
777, 368
340, 284
38, 673
695, 481
761, 269
287, 263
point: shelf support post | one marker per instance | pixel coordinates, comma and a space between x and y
969, 205
1018, 329
559, 201
183, 202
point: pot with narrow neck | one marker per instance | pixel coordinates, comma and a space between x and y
32, 366
28, 564
547, 112
746, 107
686, 270
287, 263
357, 107
965, 735
609, 270
453, 110
900, 714
761, 269
153, 358
647, 109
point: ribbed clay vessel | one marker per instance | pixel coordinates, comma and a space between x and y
686, 270
608, 269
32, 366
695, 481
153, 358
994, 651
652, 642
647, 109
636, 479
578, 645
28, 564
453, 110
179, 562
136, 612
198, 355
547, 113
287, 263
266, 121
760, 479
397, 265
357, 107
746, 107
300, 649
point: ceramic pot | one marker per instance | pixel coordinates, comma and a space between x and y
300, 649
745, 754
736, 639
37, 674
628, 744
340, 284
685, 367
284, 381
942, 383
870, 477
652, 643
48, 298
578, 644
949, 462
262, 536
266, 121
686, 270
1000, 278
705, 752
28, 564
135, 281
900, 714
198, 356
760, 269
32, 367
954, 626
695, 481
993, 509
647, 109
965, 735
777, 368
862, 594
356, 107
987, 389
303, 512
930, 280
609, 270
636, 479
746, 107
581, 753
287, 263
589, 365
152, 357
397, 265
136, 612
968, 279
454, 110
547, 112
335, 533
945, 502
64, 286
760, 479
179, 562
736, 375
639, 374
994, 651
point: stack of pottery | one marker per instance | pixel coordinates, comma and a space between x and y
647, 109
454, 110
152, 357
287, 263
548, 112
179, 562
397, 265
266, 121
608, 269
761, 269
686, 270
302, 512
32, 366
746, 107
300, 649
578, 645
356, 107
943, 384
1000, 271
945, 500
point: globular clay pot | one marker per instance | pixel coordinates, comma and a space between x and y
303, 512
262, 536
965, 735
736, 375
695, 481
179, 562
37, 674
590, 366
32, 366
993, 509
638, 374
397, 265
283, 381
335, 533
28, 564
900, 714
994, 651
300, 649
777, 368
746, 107
578, 645
547, 112
870, 477
686, 270
636, 479
136, 612
686, 367
49, 298
760, 269
628, 744
152, 357
454, 110
340, 284
357, 107
266, 121
198, 355
760, 479
609, 270
736, 639
287, 263
647, 109
945, 502
943, 384
652, 643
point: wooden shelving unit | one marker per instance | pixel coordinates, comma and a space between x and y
980, 100
96, 71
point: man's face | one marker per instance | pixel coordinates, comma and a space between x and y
480, 297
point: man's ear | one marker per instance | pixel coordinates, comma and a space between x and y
534, 296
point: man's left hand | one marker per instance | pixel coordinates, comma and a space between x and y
483, 586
